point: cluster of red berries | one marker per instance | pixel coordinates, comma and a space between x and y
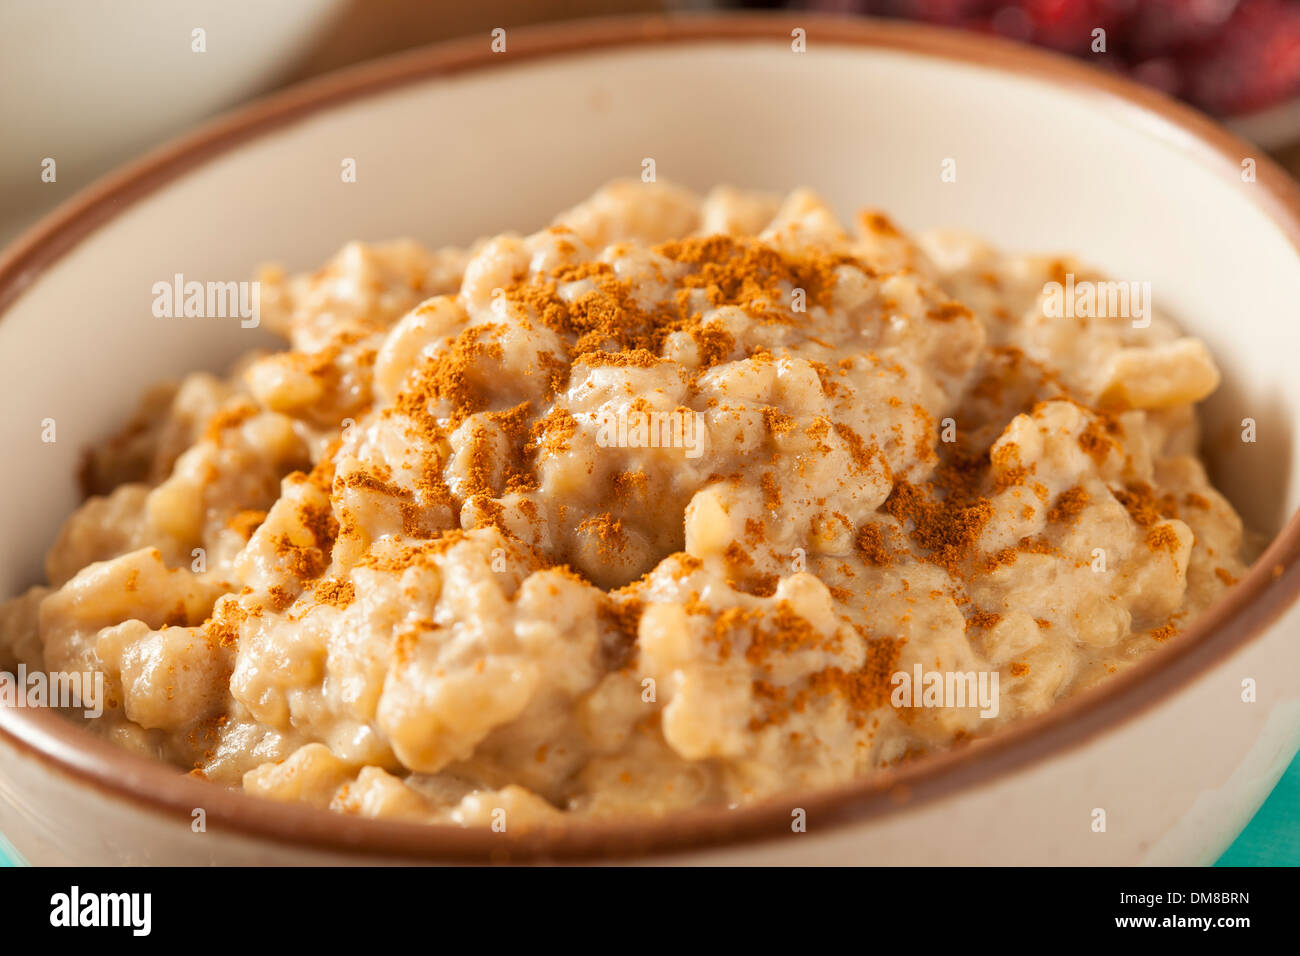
1225, 56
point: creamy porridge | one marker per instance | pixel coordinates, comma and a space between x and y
678, 502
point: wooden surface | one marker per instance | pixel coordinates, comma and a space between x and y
370, 28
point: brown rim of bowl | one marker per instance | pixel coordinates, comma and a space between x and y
1258, 599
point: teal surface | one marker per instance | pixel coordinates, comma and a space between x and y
1272, 838
8, 855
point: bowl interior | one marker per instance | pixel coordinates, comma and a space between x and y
1039, 165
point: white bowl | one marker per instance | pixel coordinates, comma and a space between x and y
455, 142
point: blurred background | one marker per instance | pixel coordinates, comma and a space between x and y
1231, 58
92, 83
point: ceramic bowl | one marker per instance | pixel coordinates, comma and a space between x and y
457, 141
